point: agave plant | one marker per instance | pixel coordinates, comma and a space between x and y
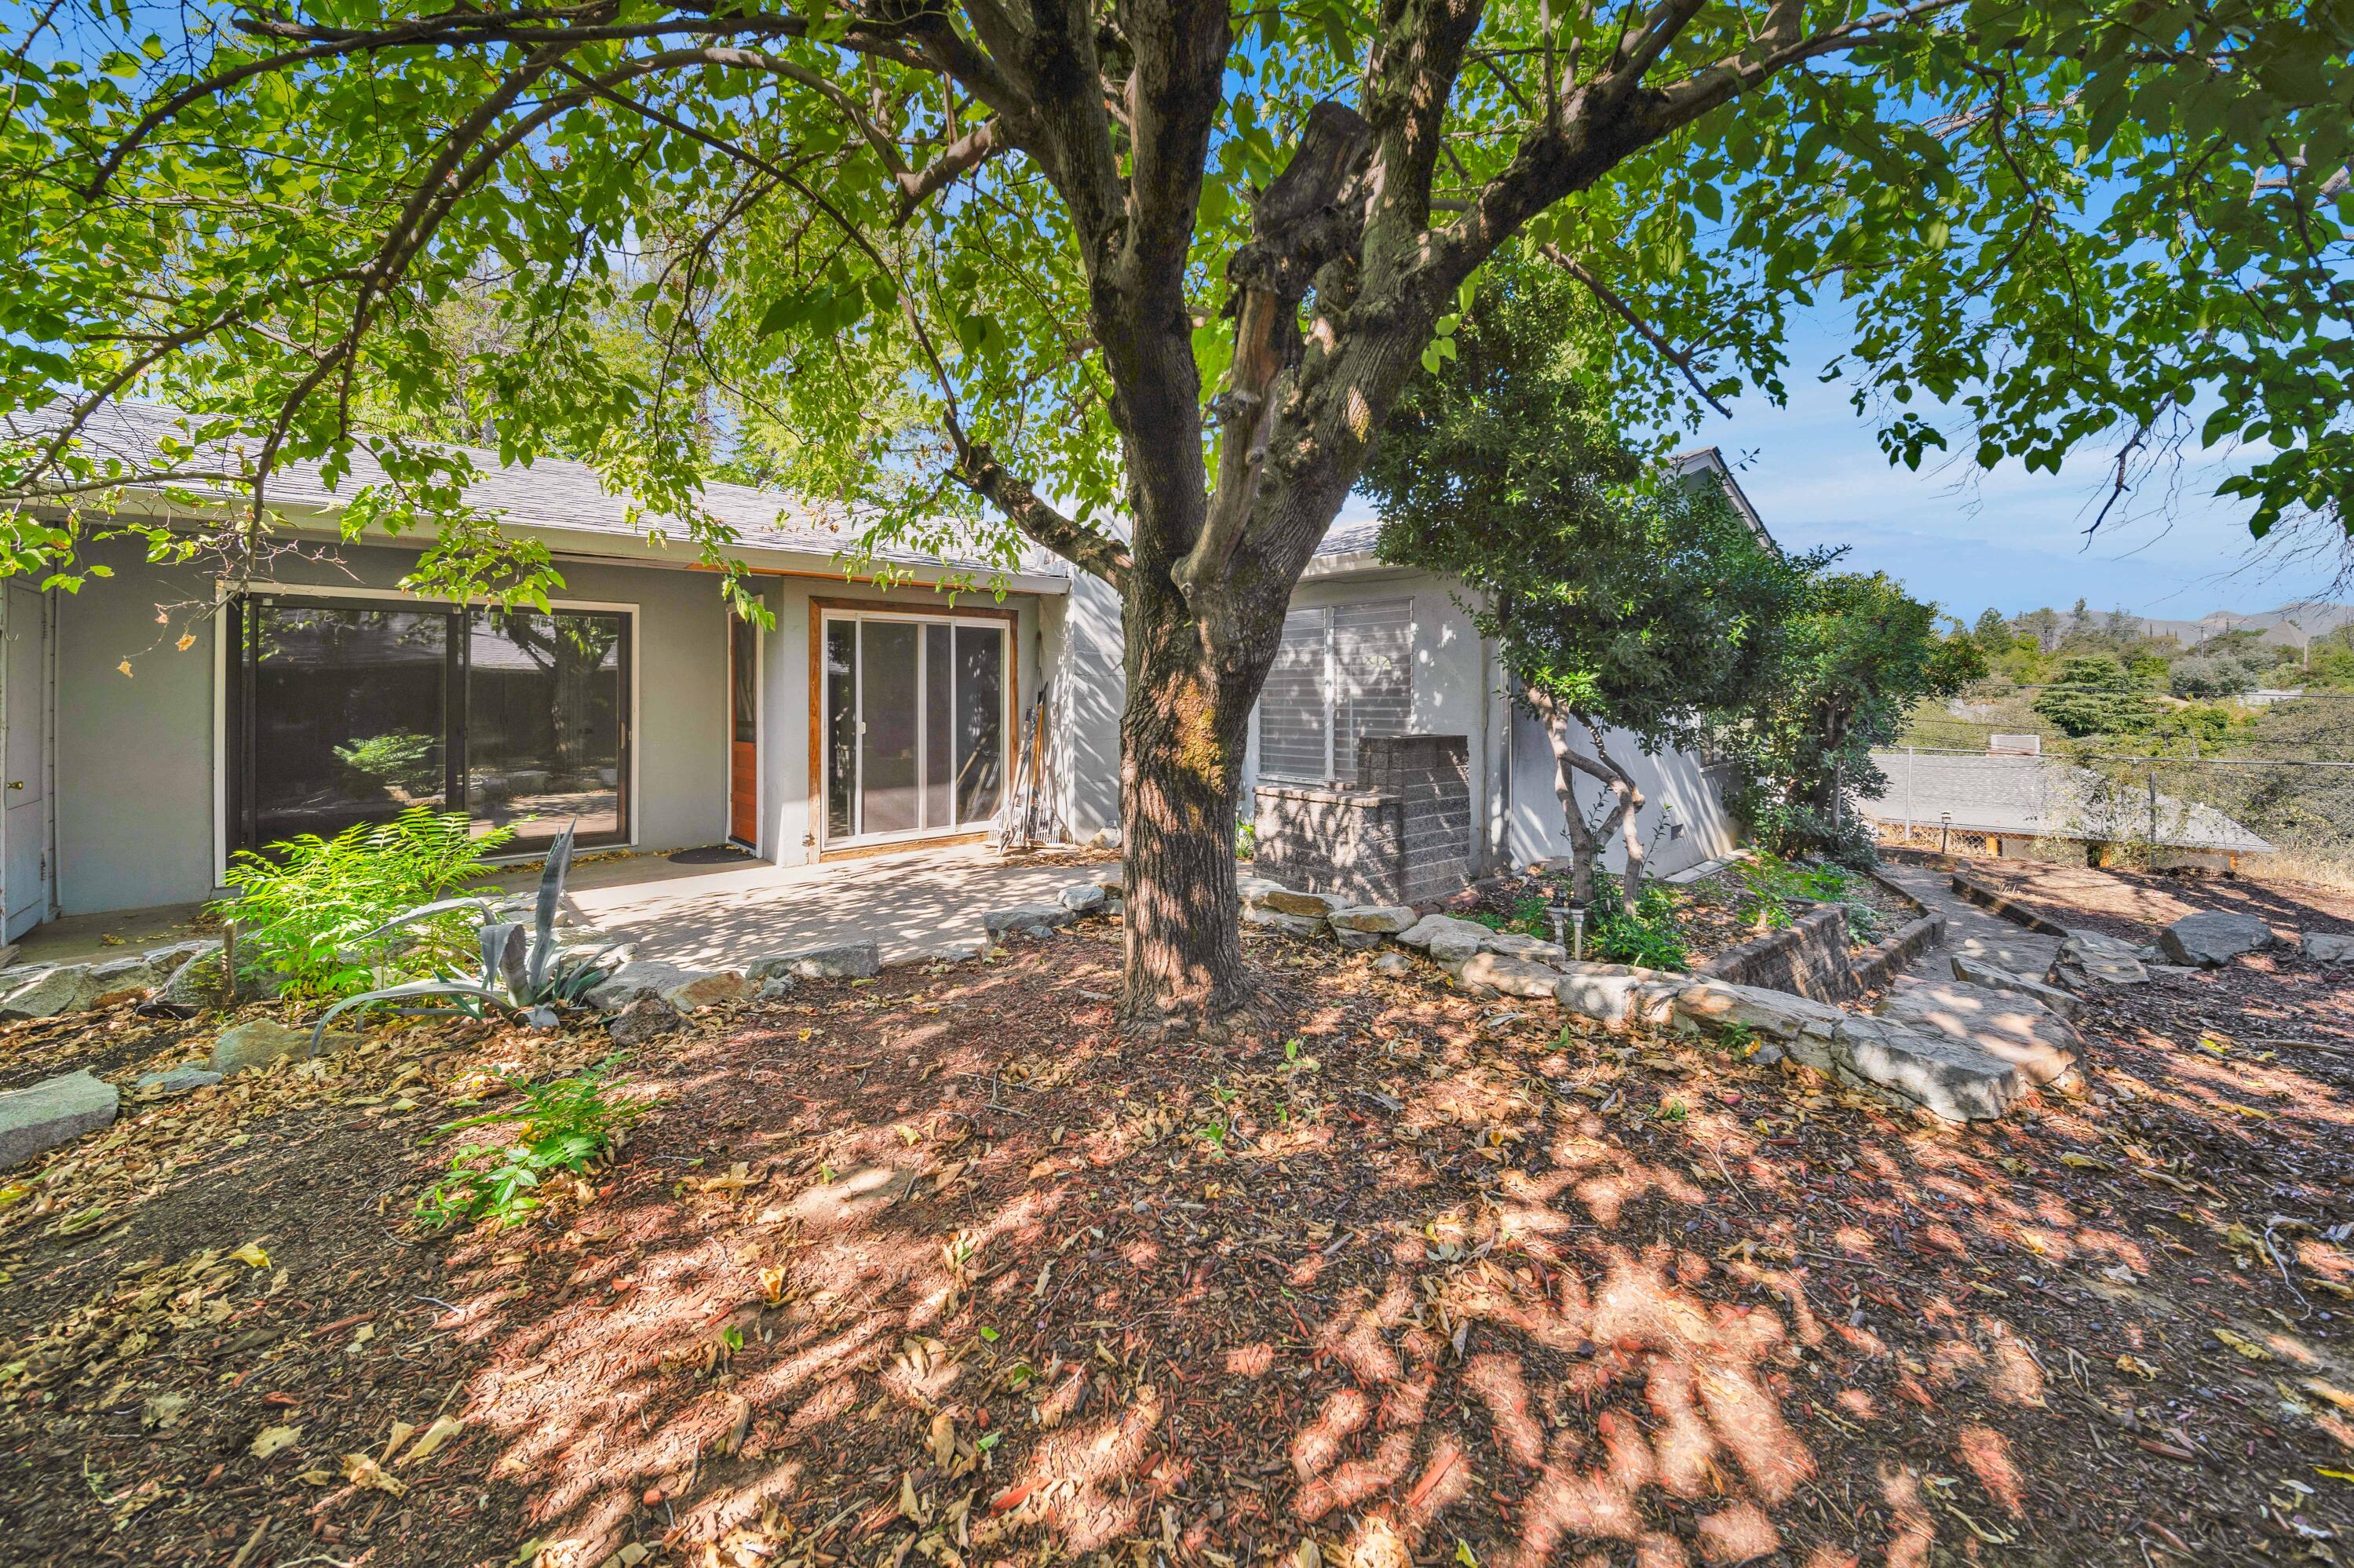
521, 970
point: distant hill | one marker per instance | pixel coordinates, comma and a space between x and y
2290, 625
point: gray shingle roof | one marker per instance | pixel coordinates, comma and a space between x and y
1356, 536
553, 493
2045, 797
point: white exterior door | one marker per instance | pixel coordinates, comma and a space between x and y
24, 709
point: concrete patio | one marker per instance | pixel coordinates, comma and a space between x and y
701, 914
706, 915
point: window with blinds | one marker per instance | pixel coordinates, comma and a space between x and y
1340, 673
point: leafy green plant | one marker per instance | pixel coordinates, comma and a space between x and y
403, 760
1773, 883
562, 1124
1648, 936
307, 907
520, 969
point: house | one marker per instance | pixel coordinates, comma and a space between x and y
1370, 650
163, 718
2009, 802
319, 693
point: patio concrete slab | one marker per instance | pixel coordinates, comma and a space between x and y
702, 915
709, 916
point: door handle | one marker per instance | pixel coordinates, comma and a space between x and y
16, 784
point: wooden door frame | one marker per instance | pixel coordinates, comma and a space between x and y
1008, 735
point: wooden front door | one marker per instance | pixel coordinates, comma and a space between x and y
743, 732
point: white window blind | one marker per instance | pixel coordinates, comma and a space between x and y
1340, 674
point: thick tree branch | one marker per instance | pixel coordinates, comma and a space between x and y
1087, 548
1295, 230
959, 157
1618, 306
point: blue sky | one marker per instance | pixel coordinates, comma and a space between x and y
1969, 538
2007, 537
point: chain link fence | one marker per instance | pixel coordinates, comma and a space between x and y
2265, 816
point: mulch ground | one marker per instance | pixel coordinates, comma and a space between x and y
941, 1267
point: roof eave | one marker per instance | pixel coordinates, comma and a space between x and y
637, 549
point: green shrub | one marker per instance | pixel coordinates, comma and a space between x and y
562, 1124
302, 903
403, 760
1650, 938
1774, 882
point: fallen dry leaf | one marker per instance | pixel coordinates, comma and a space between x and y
270, 1439
441, 1432
363, 1471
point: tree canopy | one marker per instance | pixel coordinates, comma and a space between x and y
1138, 282
875, 238
1622, 597
1857, 657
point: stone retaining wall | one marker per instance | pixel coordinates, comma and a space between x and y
1810, 957
1886, 959
1807, 957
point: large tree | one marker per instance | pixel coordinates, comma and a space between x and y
1139, 280
1621, 597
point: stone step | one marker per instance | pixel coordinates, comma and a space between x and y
53, 1111
2005, 1024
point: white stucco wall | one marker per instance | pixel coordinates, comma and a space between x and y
1673, 778
1084, 657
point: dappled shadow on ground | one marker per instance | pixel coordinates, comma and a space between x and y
962, 1275
941, 1267
2137, 904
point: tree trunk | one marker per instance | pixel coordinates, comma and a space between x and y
1182, 734
1584, 847
1630, 809
1604, 768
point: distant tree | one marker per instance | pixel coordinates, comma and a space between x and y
2096, 695
2200, 676
1853, 665
1619, 599
2121, 628
1992, 631
2330, 663
2080, 619
2044, 625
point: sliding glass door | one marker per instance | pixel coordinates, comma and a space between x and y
911, 725
352, 712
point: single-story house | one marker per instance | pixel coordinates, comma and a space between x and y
164, 718
319, 693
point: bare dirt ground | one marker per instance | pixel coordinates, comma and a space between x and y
939, 1267
2138, 903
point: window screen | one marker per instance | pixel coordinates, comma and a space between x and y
1340, 674
1295, 719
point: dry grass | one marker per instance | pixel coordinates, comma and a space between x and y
2312, 862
